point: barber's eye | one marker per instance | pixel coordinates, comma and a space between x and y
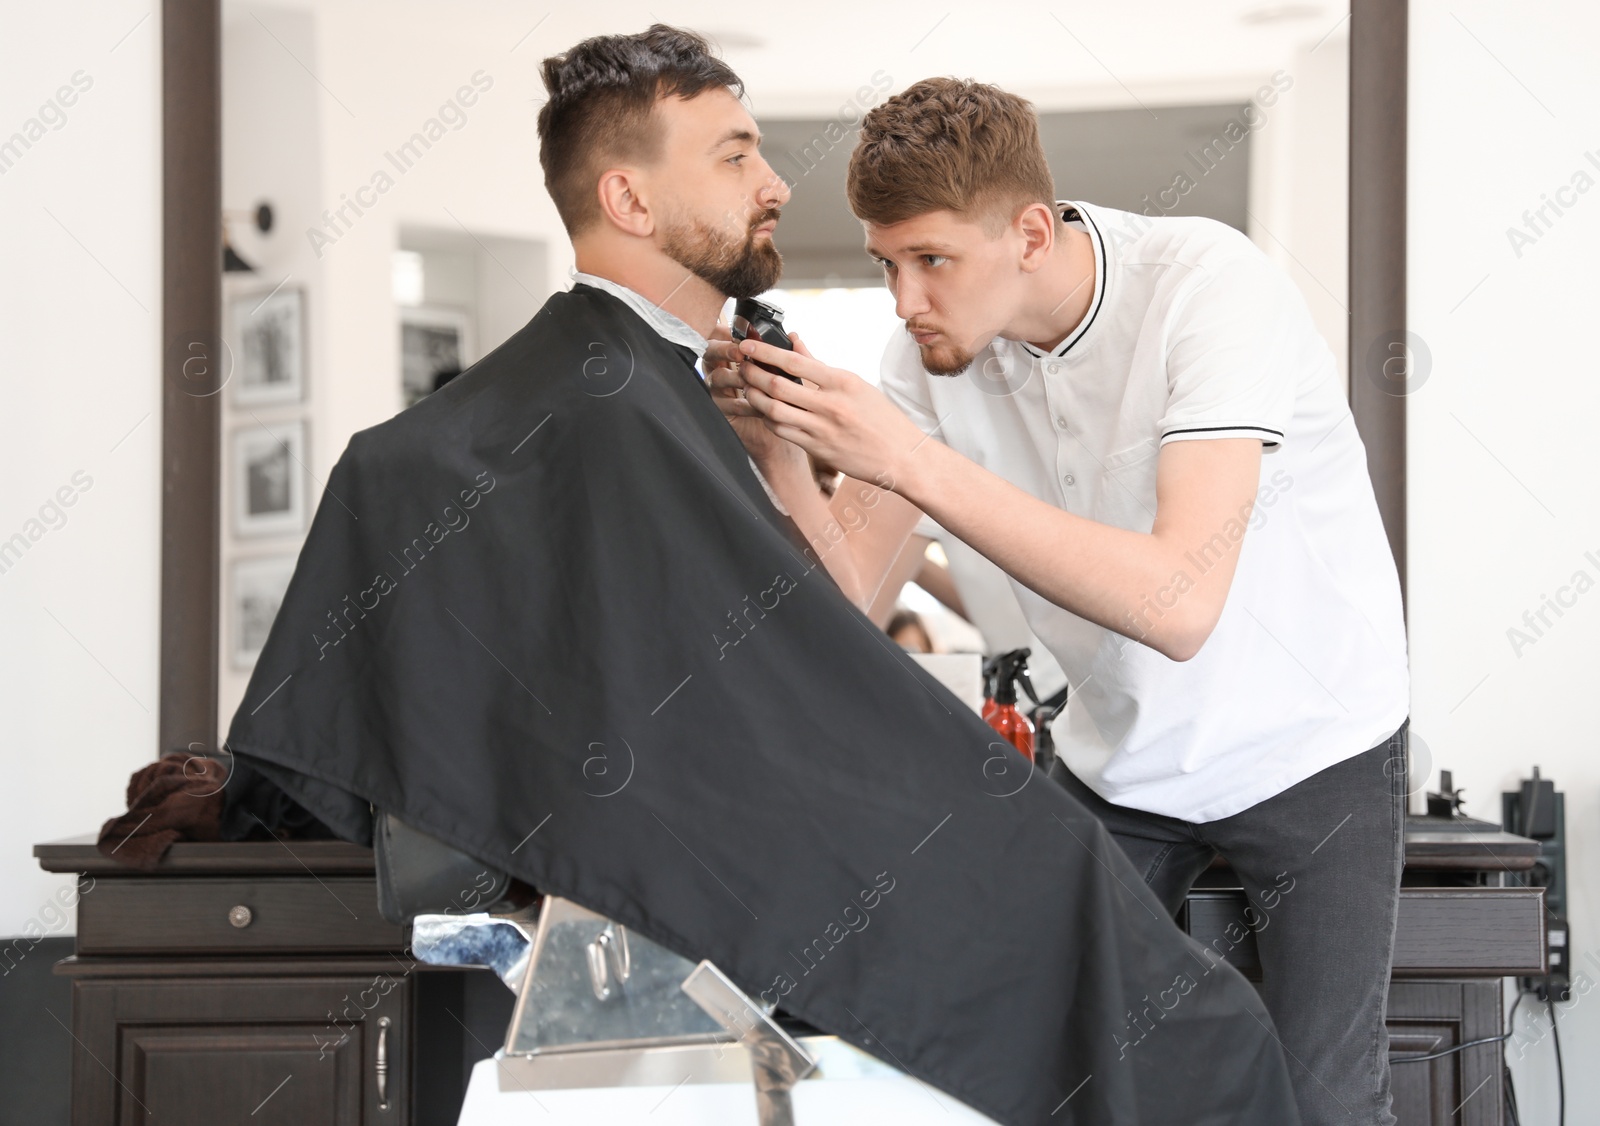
736, 159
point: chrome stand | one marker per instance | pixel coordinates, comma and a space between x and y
602, 1007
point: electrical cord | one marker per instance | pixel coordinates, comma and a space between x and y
1451, 1051
1511, 1025
1526, 824
1513, 1112
1509, 1087
1555, 1032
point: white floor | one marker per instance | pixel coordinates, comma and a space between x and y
832, 1102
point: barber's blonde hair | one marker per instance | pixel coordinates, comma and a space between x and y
948, 144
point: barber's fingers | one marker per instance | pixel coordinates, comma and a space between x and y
800, 346
781, 358
734, 405
720, 353
778, 412
724, 380
768, 407
774, 386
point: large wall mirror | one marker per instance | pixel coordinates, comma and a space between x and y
376, 171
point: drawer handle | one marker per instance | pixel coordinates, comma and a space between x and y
381, 1066
240, 916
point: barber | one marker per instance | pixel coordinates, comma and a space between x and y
1135, 419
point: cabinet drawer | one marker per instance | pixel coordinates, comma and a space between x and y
1440, 932
132, 915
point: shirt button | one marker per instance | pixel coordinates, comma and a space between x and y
1061, 423
1070, 479
1052, 368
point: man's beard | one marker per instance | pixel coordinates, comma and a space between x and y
943, 359
733, 267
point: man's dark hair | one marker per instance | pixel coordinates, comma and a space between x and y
602, 103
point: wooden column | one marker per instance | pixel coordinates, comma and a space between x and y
1386, 363
194, 367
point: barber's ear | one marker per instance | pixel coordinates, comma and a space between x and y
1036, 229
621, 203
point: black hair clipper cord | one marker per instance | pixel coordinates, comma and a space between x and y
765, 323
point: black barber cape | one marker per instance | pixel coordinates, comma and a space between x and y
550, 616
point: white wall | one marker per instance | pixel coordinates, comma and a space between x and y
80, 302
1502, 493
1300, 184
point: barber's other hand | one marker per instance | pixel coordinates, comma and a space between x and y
724, 375
834, 415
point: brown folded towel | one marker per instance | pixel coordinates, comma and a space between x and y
178, 797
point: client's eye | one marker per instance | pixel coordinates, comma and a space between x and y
935, 259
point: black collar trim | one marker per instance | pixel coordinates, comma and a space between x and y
1102, 283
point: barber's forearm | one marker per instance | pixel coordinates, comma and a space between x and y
1110, 576
792, 479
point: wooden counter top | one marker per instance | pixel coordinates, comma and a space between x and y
1432, 844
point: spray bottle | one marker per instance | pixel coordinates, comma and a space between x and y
1044, 748
1003, 673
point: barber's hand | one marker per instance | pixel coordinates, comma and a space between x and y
724, 374
834, 415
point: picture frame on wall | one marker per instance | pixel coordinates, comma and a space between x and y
269, 334
256, 587
269, 479
434, 341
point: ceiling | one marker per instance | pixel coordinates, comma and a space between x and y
1124, 90
805, 59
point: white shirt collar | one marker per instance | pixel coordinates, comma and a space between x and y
670, 328
1078, 215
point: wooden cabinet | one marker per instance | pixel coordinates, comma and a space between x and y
238, 983
255, 1046
1463, 1089
257, 983
1457, 935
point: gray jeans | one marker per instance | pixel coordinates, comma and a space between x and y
1320, 864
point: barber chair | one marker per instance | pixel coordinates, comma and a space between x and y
600, 1006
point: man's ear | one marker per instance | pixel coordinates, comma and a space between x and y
622, 204
1036, 231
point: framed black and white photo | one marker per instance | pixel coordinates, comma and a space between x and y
256, 589
269, 333
269, 485
434, 342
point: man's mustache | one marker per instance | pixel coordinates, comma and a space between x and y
770, 215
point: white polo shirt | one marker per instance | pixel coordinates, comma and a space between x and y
1193, 334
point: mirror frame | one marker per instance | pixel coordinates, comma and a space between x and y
191, 312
